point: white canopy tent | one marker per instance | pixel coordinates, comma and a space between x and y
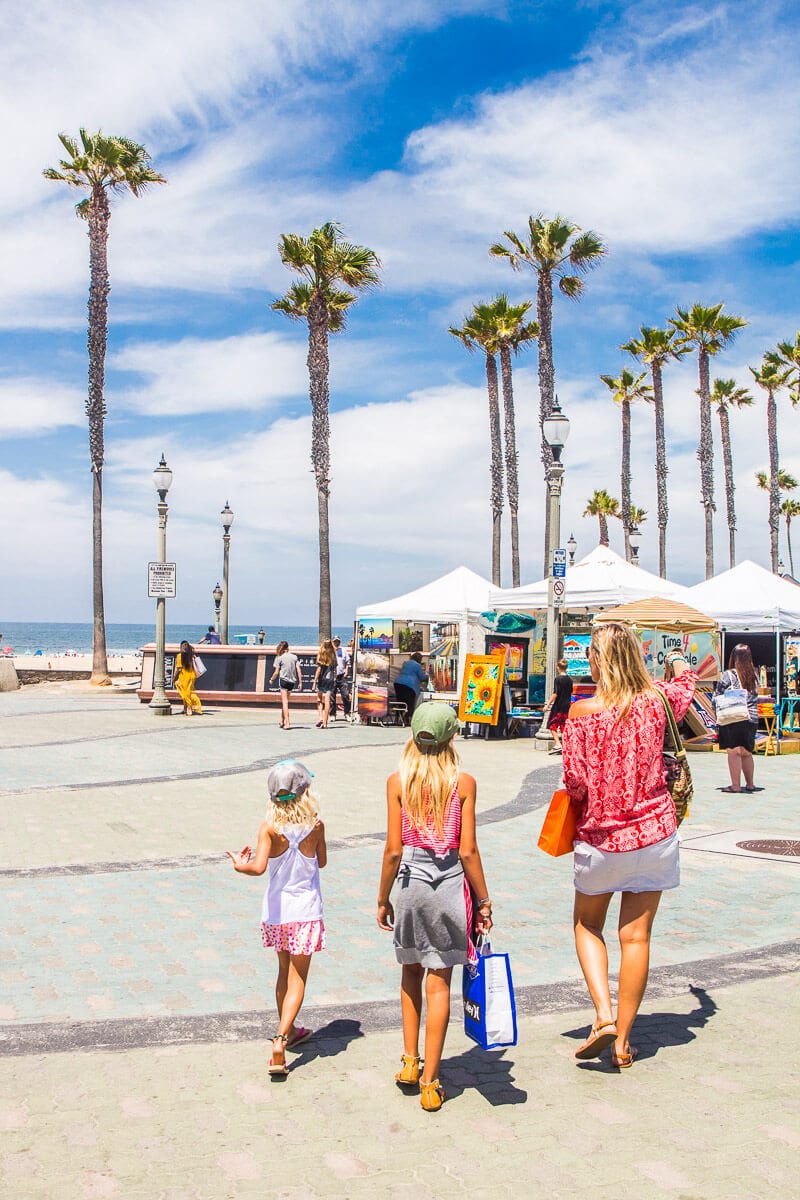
748, 597
600, 580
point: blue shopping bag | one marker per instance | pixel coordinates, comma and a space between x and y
490, 1014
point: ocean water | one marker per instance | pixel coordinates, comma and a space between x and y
26, 637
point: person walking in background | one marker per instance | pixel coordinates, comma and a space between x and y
211, 638
739, 737
260, 636
291, 843
188, 669
325, 681
432, 851
287, 672
408, 684
627, 832
342, 688
560, 702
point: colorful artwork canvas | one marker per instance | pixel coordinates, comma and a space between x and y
515, 653
443, 661
410, 639
375, 633
371, 668
701, 648
482, 688
373, 702
575, 649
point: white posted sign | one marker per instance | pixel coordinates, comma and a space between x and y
161, 580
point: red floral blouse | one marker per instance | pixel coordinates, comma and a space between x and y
614, 771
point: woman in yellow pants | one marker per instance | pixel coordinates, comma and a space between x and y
185, 680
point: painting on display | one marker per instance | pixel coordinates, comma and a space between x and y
443, 661
516, 655
411, 638
575, 649
373, 702
701, 650
791, 651
372, 668
482, 688
538, 664
375, 633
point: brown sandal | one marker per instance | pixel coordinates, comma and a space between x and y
625, 1060
431, 1095
597, 1042
408, 1075
277, 1063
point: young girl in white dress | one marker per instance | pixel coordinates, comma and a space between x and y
291, 843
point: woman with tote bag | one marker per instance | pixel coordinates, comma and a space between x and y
738, 737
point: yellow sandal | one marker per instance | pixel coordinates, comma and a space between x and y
431, 1095
408, 1075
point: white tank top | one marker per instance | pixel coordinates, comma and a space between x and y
293, 891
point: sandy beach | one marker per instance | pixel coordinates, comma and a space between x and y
118, 664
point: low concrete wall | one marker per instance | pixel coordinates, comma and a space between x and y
9, 680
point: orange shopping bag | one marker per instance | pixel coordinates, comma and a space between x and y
558, 830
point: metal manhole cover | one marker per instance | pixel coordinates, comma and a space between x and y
787, 847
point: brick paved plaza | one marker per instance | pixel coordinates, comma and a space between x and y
136, 1000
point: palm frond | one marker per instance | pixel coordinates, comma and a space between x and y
572, 286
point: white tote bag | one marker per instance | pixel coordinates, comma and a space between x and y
731, 705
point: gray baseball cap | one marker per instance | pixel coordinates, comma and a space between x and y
288, 776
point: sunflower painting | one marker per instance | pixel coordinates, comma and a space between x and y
482, 688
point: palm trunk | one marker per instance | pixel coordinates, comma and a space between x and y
603, 529
495, 441
661, 468
625, 477
774, 490
727, 461
318, 369
789, 544
705, 454
544, 314
512, 482
99, 287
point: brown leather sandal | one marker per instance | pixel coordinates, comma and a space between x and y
408, 1075
431, 1095
597, 1042
277, 1064
625, 1060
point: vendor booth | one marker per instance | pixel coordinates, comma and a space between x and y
439, 621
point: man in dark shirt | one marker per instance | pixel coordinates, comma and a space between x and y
560, 701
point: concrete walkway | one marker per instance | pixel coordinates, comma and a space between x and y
135, 996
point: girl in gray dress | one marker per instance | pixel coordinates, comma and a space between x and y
432, 853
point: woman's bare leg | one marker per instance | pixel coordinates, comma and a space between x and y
588, 918
411, 1006
636, 915
748, 765
437, 1016
735, 768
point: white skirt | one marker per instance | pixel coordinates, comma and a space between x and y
655, 868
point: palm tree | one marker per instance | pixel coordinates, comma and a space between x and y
709, 330
638, 516
477, 331
790, 508
100, 165
556, 250
772, 376
625, 390
725, 394
602, 505
788, 355
654, 347
325, 262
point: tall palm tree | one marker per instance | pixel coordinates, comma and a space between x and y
602, 505
332, 271
772, 376
555, 249
725, 394
625, 390
655, 347
788, 355
708, 330
100, 165
638, 516
790, 509
478, 331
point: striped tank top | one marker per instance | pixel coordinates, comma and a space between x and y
429, 839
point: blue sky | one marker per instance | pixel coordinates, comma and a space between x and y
426, 129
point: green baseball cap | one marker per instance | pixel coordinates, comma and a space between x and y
433, 724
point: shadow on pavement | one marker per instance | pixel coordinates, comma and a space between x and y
485, 1071
658, 1030
327, 1042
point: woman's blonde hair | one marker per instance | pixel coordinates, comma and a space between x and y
623, 675
302, 811
426, 780
327, 654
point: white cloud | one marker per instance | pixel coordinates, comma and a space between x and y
32, 406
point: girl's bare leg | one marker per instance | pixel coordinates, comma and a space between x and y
437, 1016
326, 709
411, 1006
282, 982
588, 918
636, 915
285, 708
295, 990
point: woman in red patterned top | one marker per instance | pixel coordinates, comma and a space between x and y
627, 833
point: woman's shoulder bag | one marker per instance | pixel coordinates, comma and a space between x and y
676, 766
731, 705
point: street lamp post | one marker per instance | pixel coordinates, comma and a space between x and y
217, 594
555, 430
572, 546
634, 541
160, 705
226, 518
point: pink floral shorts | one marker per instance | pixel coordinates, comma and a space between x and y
298, 937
